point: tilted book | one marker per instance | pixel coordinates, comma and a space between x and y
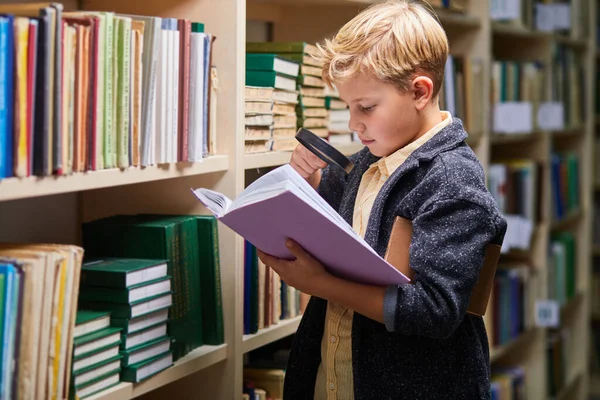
282, 205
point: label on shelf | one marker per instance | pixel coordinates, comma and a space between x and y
513, 117
547, 313
551, 116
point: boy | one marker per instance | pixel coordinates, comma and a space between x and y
412, 341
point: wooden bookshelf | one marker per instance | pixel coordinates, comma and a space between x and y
22, 188
271, 334
218, 371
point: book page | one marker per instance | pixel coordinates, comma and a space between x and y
216, 202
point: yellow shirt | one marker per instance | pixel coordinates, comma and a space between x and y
334, 376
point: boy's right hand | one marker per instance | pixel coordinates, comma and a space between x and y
307, 165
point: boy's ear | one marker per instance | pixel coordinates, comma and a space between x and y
422, 91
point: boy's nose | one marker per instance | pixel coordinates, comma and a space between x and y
355, 125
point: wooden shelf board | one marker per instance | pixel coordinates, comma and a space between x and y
568, 132
20, 188
271, 334
567, 391
571, 305
500, 29
565, 222
503, 138
498, 352
455, 19
199, 359
268, 159
276, 158
581, 43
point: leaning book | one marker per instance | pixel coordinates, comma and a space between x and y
282, 205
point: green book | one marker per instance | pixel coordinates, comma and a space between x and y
90, 343
127, 295
96, 385
103, 354
270, 79
197, 27
145, 351
96, 371
121, 273
281, 47
133, 310
210, 278
89, 321
145, 335
123, 90
138, 372
133, 325
271, 62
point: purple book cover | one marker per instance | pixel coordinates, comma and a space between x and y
268, 223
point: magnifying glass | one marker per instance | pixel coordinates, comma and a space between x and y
323, 150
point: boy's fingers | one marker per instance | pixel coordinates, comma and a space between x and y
296, 249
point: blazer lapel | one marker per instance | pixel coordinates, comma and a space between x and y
448, 138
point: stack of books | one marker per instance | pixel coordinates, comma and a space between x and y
96, 364
310, 109
190, 302
338, 118
136, 293
270, 102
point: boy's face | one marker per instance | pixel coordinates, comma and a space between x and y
384, 119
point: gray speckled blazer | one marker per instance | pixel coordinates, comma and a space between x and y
429, 347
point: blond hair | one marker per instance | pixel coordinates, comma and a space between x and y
392, 41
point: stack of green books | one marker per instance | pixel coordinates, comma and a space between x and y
190, 246
275, 115
338, 118
96, 363
138, 295
310, 111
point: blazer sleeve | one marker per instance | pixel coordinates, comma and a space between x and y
447, 252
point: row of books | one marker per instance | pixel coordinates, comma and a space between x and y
121, 330
39, 286
508, 382
515, 185
461, 92
267, 298
511, 303
517, 94
85, 91
563, 17
565, 184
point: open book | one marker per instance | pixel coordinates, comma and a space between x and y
281, 205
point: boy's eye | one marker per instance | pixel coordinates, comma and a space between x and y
366, 109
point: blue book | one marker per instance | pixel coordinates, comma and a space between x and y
7, 52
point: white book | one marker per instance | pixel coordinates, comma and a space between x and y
198, 93
174, 143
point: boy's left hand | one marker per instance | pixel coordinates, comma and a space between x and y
304, 273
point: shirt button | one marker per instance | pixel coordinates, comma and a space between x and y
331, 386
333, 339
